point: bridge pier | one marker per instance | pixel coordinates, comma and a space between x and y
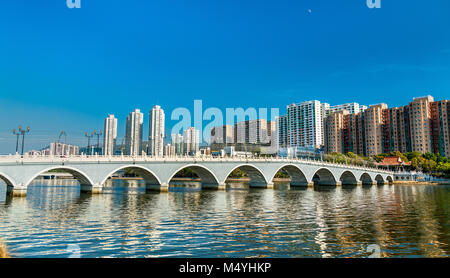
164, 187
302, 184
371, 183
339, 183
16, 191
269, 185
359, 183
91, 189
220, 186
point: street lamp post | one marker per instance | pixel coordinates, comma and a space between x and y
22, 132
98, 137
17, 135
89, 140
65, 137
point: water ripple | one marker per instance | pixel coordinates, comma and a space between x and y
406, 221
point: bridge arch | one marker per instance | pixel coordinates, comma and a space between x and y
149, 177
7, 180
257, 178
208, 178
298, 178
348, 178
79, 175
390, 179
323, 176
366, 179
379, 179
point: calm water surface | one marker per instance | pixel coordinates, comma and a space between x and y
405, 221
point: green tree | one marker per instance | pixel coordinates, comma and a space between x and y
412, 155
430, 156
351, 155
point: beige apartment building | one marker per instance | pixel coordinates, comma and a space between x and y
373, 127
399, 129
420, 124
334, 128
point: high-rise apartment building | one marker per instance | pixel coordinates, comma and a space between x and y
222, 135
178, 143
191, 138
57, 149
156, 130
241, 132
169, 150
374, 120
281, 132
420, 124
352, 108
133, 133
110, 135
271, 133
440, 127
400, 135
335, 125
305, 124
251, 132
259, 132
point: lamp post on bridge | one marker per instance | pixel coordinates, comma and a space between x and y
17, 134
23, 136
89, 140
98, 137
65, 137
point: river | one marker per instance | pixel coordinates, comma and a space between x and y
55, 220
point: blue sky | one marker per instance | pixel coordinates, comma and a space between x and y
67, 69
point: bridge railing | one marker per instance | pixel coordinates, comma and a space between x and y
19, 159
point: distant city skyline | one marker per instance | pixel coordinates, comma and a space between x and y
73, 67
42, 141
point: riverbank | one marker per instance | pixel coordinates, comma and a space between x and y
422, 182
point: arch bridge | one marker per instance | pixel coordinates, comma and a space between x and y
92, 172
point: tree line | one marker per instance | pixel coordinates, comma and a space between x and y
430, 163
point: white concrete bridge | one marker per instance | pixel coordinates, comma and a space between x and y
92, 172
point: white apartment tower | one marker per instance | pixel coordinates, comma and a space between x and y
178, 143
352, 108
191, 140
305, 124
156, 131
133, 136
110, 136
